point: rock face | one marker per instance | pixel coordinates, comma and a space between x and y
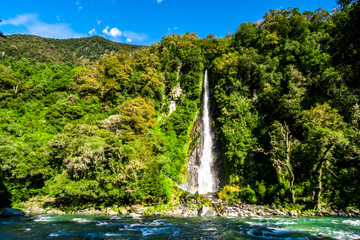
11, 212
194, 155
175, 94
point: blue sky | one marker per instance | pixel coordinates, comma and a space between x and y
137, 21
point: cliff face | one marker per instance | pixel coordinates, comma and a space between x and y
195, 153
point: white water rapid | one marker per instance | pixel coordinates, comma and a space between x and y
206, 179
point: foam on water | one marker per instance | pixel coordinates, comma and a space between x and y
58, 234
82, 220
352, 222
154, 231
105, 224
45, 219
113, 234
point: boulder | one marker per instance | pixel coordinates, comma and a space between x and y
11, 212
111, 212
210, 213
137, 209
185, 212
355, 212
203, 210
293, 213
123, 211
134, 215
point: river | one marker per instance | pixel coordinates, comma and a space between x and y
160, 227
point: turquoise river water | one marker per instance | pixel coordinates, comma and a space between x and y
160, 227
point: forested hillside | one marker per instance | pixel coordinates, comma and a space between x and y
59, 51
285, 105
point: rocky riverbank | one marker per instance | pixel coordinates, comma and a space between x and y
193, 207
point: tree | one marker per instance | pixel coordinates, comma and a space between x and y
283, 144
322, 134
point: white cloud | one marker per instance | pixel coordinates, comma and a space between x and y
175, 28
128, 40
139, 37
19, 20
98, 22
106, 30
34, 26
159, 1
114, 32
92, 31
58, 18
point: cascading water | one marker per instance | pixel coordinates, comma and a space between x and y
205, 176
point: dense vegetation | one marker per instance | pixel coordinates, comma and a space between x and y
59, 51
285, 103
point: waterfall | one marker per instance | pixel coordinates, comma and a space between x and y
205, 176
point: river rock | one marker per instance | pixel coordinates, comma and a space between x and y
355, 212
293, 213
134, 215
341, 213
203, 210
123, 210
185, 212
137, 209
111, 212
93, 236
11, 212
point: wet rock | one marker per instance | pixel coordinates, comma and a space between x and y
293, 213
177, 211
123, 210
185, 212
137, 209
93, 236
111, 212
355, 212
280, 213
203, 210
134, 215
55, 211
257, 233
35, 209
341, 213
11, 212
210, 213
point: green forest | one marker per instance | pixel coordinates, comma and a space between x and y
86, 121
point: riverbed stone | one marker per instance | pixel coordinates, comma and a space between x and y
203, 210
123, 210
134, 215
137, 209
93, 236
293, 213
11, 212
111, 212
355, 212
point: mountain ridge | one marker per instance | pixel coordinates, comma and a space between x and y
60, 51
